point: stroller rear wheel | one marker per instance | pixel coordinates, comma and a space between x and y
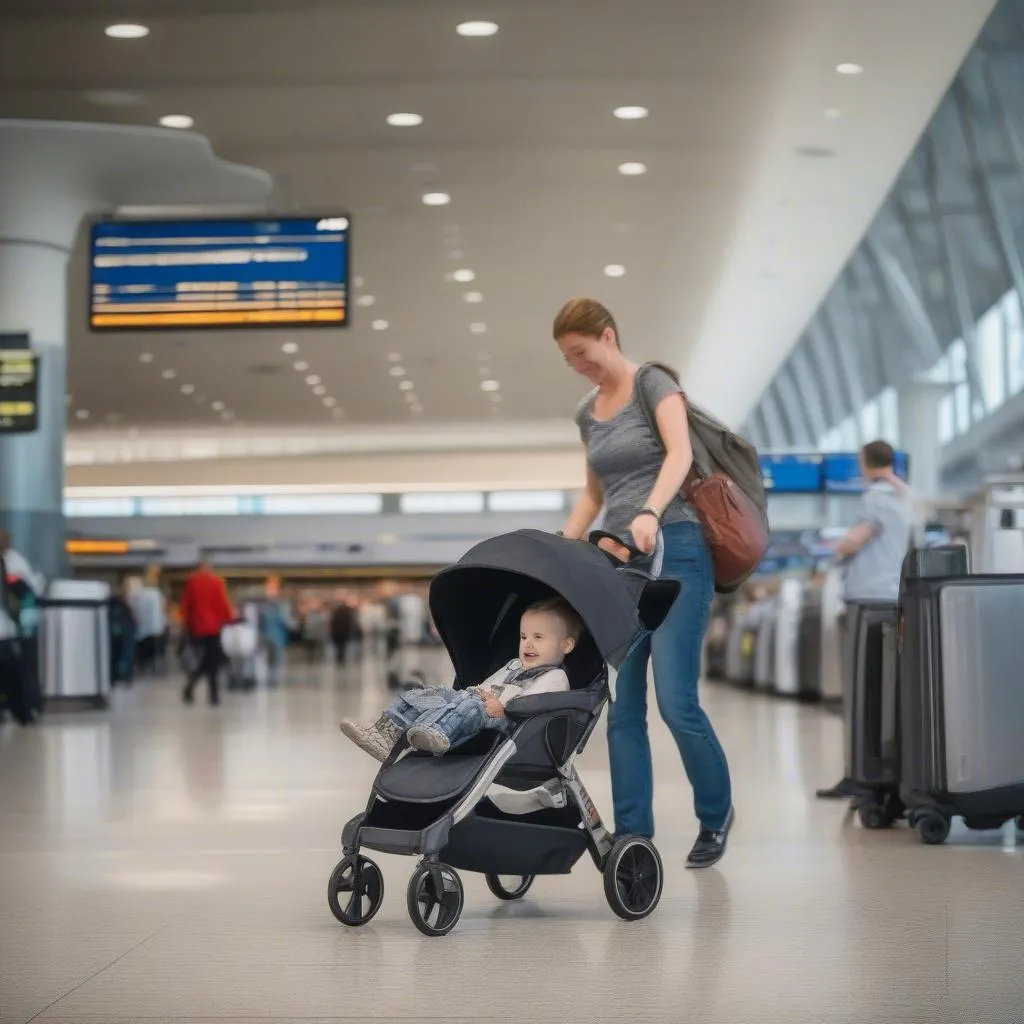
435, 899
496, 883
633, 878
355, 891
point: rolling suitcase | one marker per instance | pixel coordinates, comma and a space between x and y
869, 701
961, 698
764, 654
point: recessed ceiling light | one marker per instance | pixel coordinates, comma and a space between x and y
289, 348
365, 300
614, 270
169, 374
849, 69
319, 390
379, 325
216, 406
312, 379
476, 29
330, 403
394, 357
176, 121
410, 398
145, 357
397, 371
301, 366
188, 389
82, 414
228, 414
630, 113
436, 199
464, 276
478, 328
126, 31
632, 167
405, 385
473, 297
832, 113
357, 281
489, 385
404, 120
337, 413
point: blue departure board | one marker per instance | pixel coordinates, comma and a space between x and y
290, 272
791, 474
841, 471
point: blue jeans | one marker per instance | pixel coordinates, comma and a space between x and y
459, 714
676, 648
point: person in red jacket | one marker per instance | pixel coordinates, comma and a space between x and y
205, 611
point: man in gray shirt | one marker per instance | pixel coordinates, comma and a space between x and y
873, 549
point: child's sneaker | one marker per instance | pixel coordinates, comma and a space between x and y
378, 740
432, 741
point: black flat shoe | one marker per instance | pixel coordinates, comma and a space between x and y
710, 845
842, 790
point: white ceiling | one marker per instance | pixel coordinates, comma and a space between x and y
519, 130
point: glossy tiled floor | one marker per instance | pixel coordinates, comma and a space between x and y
162, 863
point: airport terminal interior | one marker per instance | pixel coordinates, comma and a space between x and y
287, 438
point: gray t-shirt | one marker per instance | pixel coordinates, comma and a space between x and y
873, 573
627, 457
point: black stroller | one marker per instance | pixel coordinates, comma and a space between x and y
438, 807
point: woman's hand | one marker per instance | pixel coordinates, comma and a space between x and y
645, 533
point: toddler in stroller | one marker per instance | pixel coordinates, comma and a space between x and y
445, 809
437, 718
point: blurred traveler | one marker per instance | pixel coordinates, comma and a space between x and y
20, 585
150, 610
205, 611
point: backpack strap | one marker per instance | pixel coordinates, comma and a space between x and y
696, 444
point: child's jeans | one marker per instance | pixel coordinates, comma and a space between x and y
459, 714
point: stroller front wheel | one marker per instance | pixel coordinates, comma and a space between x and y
435, 898
355, 891
504, 892
633, 878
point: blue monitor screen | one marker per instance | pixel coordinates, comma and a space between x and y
841, 471
791, 474
289, 272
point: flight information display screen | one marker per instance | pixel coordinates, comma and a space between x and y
291, 272
19, 392
791, 474
841, 471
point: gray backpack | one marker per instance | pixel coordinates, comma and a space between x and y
736, 524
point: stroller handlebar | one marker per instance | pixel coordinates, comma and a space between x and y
638, 560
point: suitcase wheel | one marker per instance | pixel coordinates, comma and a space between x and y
933, 827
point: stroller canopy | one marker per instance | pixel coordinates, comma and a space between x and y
476, 603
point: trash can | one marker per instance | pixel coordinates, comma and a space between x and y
74, 643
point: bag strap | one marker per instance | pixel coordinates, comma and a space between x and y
696, 445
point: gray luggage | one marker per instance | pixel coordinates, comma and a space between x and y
961, 699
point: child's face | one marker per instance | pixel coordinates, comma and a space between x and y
543, 639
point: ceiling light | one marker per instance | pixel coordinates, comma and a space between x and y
495, 396
330, 403
319, 390
216, 406
456, 254
379, 325
464, 276
397, 371
176, 121
410, 398
632, 167
312, 379
301, 366
126, 31
145, 357
849, 69
289, 348
436, 199
489, 385
405, 385
365, 300
478, 328
485, 371
630, 113
473, 297
404, 120
337, 412
832, 113
476, 29
615, 270
357, 281
82, 414
169, 374
394, 357
228, 414
187, 389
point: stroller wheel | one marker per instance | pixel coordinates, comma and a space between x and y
435, 912
496, 883
355, 891
633, 878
